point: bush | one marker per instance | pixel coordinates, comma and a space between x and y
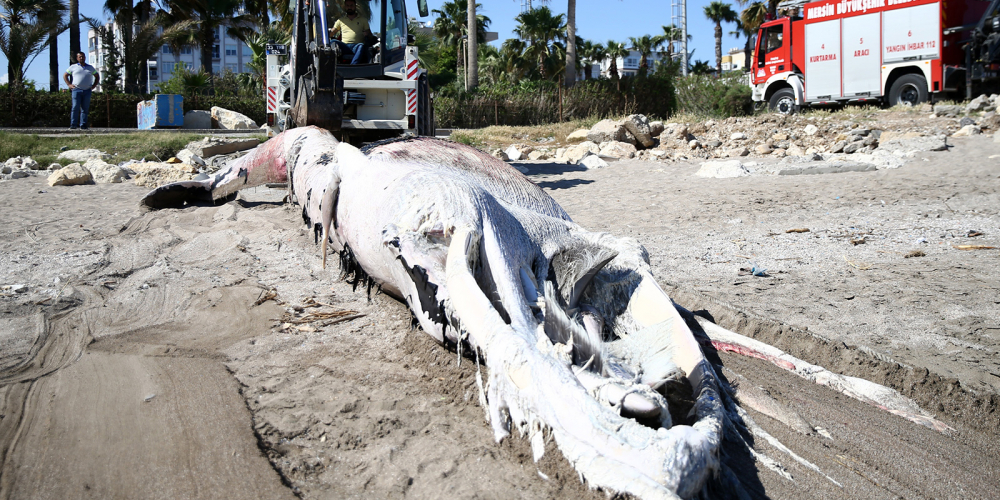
705, 95
535, 102
29, 108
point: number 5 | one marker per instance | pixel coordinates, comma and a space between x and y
862, 42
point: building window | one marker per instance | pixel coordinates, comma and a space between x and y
230, 50
186, 50
247, 52
631, 62
215, 68
153, 75
166, 49
93, 44
231, 68
168, 68
215, 51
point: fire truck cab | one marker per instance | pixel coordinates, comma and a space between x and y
885, 51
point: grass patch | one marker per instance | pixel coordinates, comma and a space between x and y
502, 136
121, 147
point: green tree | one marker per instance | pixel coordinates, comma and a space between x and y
645, 45
450, 27
542, 31
719, 12
701, 68
253, 80
111, 73
751, 18
591, 53
672, 34
614, 51
24, 31
211, 16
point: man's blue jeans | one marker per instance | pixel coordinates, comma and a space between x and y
358, 49
81, 108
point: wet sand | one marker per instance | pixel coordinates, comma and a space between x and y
144, 359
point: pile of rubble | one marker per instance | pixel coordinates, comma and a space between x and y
91, 166
879, 138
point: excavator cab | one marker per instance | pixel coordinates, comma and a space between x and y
379, 91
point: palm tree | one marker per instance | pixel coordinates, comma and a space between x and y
751, 18
512, 58
147, 39
614, 51
122, 11
273, 33
52, 16
451, 24
74, 29
570, 77
719, 12
645, 46
590, 53
24, 31
701, 68
473, 46
672, 34
542, 31
211, 16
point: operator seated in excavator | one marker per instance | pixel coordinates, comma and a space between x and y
351, 33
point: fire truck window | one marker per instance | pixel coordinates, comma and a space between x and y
774, 37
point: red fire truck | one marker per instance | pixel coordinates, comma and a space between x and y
884, 51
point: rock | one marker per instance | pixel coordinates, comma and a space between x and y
19, 174
638, 126
740, 151
71, 175
968, 130
6, 169
211, 146
763, 149
870, 141
674, 131
860, 132
187, 156
889, 135
172, 159
576, 136
853, 147
694, 144
198, 119
947, 110
154, 174
978, 104
779, 153
576, 153
560, 152
838, 147
811, 129
593, 161
14, 162
655, 128
910, 145
607, 130
617, 149
722, 169
713, 144
82, 155
795, 150
498, 153
105, 173
780, 137
738, 136
656, 153
538, 155
231, 120
54, 166
514, 153
966, 121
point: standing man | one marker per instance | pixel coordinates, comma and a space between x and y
351, 30
81, 79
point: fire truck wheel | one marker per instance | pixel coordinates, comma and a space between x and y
908, 89
783, 101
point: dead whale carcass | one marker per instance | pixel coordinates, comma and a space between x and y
578, 338
576, 334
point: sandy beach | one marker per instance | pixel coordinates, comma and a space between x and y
205, 353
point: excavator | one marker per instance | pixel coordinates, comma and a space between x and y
311, 82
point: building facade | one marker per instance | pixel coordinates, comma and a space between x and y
629, 65
228, 54
735, 60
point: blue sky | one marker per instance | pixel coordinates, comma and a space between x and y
599, 20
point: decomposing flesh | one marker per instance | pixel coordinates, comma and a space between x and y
580, 343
